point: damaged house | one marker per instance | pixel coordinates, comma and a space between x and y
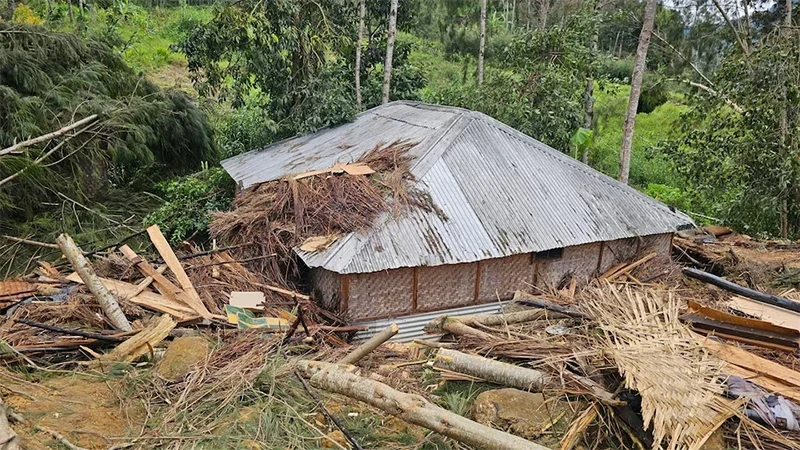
509, 212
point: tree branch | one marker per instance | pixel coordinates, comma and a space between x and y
17, 148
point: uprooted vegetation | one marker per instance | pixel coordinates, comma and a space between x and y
271, 219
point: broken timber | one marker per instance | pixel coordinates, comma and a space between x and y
374, 342
412, 408
107, 301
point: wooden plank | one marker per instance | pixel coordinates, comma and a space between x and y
145, 299
767, 383
750, 361
142, 342
164, 286
147, 281
778, 316
758, 296
163, 247
741, 321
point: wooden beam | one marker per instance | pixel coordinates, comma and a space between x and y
414, 288
477, 281
163, 247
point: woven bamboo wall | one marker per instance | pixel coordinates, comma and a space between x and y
618, 251
659, 243
380, 294
390, 293
580, 261
447, 286
504, 276
326, 288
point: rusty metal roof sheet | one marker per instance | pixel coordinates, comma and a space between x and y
498, 192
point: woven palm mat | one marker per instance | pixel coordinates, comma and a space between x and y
681, 385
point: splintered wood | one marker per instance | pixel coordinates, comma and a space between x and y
680, 383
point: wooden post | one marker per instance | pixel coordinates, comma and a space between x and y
85, 270
492, 371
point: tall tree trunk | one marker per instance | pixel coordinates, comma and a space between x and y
482, 49
69, 8
636, 90
588, 95
12, 5
788, 15
387, 66
544, 10
361, 14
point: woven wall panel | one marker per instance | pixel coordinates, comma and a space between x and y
659, 243
325, 285
504, 276
579, 261
446, 286
617, 251
380, 294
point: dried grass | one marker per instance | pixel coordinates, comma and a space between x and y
681, 385
278, 216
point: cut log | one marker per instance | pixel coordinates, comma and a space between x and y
147, 281
141, 342
412, 408
446, 324
758, 296
367, 347
491, 320
85, 270
163, 247
493, 371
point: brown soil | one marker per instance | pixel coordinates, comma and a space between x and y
84, 410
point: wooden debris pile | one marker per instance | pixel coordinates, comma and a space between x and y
316, 207
135, 303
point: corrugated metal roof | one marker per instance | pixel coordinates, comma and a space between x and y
498, 191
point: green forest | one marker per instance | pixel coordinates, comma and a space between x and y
115, 114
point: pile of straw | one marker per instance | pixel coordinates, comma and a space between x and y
277, 216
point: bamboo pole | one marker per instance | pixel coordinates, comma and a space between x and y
412, 408
367, 347
85, 270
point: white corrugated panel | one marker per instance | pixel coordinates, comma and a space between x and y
411, 327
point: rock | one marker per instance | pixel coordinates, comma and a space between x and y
251, 444
182, 355
333, 438
525, 414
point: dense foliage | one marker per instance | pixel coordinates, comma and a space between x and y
51, 79
745, 165
298, 54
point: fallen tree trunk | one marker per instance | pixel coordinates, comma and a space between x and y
453, 325
367, 347
518, 377
85, 270
758, 296
411, 408
492, 371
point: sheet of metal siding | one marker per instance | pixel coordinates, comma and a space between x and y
411, 326
345, 143
428, 238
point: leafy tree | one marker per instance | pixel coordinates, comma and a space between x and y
50, 79
746, 164
540, 90
188, 202
299, 54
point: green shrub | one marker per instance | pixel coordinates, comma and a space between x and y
188, 202
617, 70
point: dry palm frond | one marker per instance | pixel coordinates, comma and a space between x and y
681, 385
